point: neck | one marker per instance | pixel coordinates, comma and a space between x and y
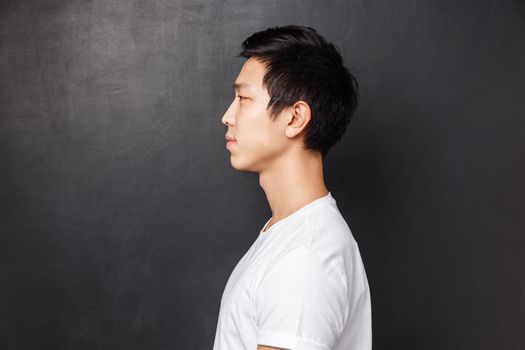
292, 182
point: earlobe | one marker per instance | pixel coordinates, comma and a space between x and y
302, 114
299, 118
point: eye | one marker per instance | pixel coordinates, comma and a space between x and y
241, 97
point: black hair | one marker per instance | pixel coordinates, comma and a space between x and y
302, 65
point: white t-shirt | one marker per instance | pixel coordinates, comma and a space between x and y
301, 285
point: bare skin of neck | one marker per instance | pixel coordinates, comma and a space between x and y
292, 182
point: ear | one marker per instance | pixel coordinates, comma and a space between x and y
300, 115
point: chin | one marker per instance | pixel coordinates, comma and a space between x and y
241, 166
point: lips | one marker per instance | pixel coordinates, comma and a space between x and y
229, 140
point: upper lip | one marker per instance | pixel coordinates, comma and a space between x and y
229, 138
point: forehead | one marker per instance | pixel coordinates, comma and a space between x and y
251, 76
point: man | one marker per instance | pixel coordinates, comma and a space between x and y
302, 284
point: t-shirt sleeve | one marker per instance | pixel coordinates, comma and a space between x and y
301, 303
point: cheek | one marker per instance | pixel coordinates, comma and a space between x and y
263, 139
256, 132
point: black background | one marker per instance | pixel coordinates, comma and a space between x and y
122, 218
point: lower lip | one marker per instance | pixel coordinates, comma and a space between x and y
230, 143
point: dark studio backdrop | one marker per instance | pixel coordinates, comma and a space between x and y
121, 217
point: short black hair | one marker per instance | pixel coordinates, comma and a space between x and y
302, 65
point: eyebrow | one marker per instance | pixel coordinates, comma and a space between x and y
237, 86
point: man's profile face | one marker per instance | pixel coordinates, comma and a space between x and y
259, 140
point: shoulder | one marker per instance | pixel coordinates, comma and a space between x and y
301, 297
320, 239
332, 242
329, 232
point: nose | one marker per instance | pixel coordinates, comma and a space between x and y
228, 118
